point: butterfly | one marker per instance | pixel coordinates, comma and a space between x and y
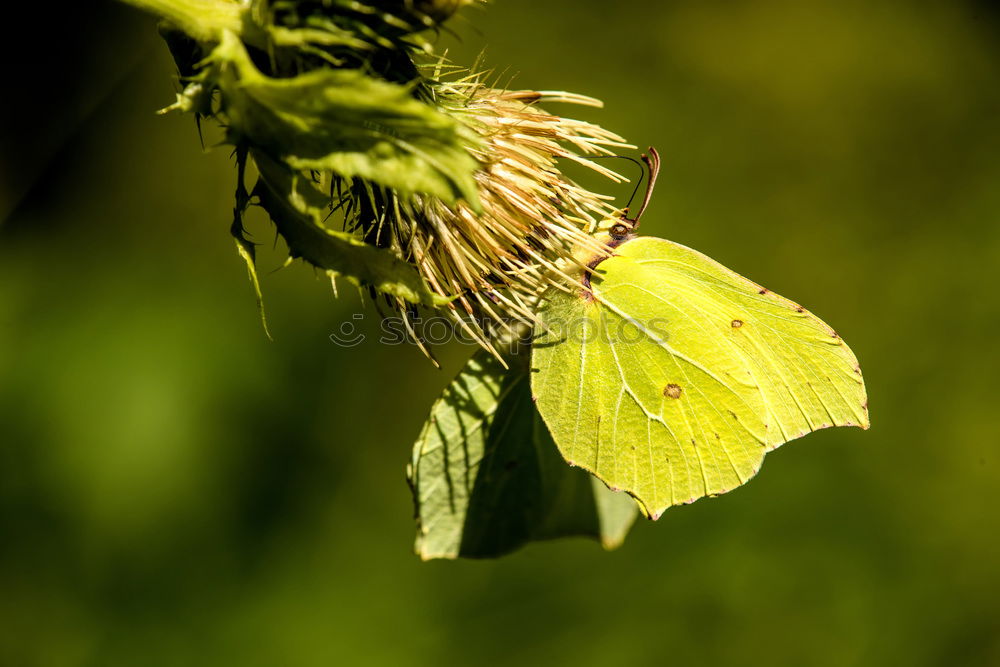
669, 376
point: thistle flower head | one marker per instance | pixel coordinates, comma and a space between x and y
534, 220
452, 190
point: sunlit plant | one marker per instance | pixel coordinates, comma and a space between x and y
618, 375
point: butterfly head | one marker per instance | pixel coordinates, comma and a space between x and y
625, 226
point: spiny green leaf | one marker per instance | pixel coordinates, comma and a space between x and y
349, 123
673, 376
330, 35
204, 20
298, 209
487, 478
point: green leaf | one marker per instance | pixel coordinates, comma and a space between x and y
487, 478
673, 376
204, 20
298, 209
349, 123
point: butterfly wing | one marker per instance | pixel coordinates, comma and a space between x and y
674, 376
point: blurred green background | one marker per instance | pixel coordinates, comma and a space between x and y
176, 490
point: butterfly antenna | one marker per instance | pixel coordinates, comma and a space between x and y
652, 160
638, 183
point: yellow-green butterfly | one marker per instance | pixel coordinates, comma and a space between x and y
670, 377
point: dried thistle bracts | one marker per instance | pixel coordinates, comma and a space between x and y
533, 220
